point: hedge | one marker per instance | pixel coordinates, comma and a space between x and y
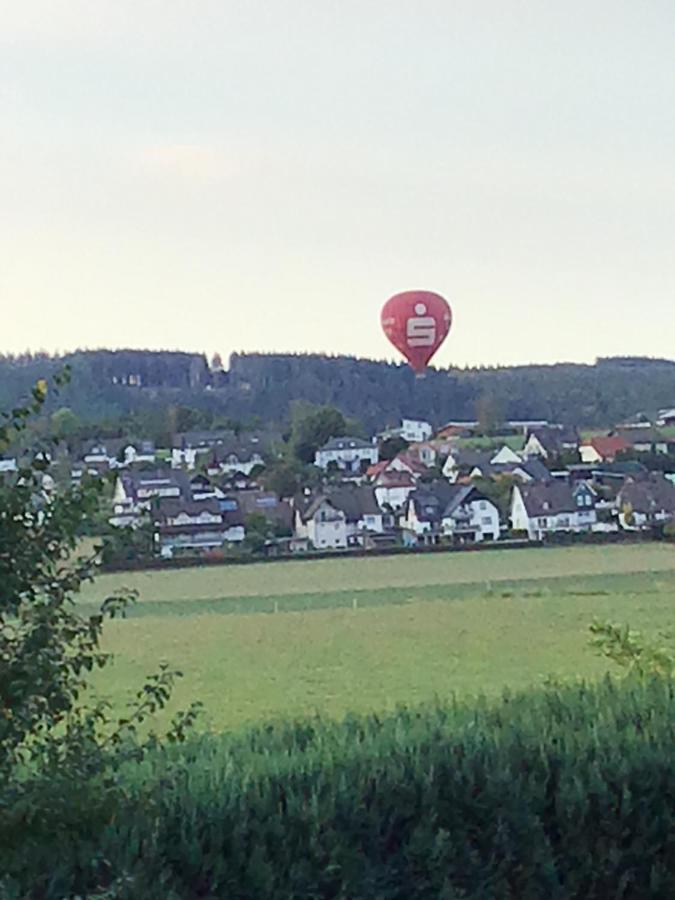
563, 792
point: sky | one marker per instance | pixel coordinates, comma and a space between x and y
261, 175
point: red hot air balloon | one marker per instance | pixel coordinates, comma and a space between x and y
417, 323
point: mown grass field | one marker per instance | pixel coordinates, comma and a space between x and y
261, 641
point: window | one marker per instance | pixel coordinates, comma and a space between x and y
483, 504
487, 520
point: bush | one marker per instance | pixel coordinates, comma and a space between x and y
563, 792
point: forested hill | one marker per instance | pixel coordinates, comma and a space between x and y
106, 384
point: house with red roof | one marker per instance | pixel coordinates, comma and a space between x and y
603, 449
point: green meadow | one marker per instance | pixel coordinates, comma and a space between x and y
277, 639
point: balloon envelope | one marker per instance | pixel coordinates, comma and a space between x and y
417, 323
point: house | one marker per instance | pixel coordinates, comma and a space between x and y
461, 461
422, 515
603, 449
531, 469
195, 525
319, 522
646, 440
551, 442
188, 445
8, 464
546, 507
116, 453
665, 417
350, 454
647, 502
406, 462
362, 511
392, 488
465, 461
234, 459
135, 492
337, 518
470, 516
410, 430
266, 503
458, 511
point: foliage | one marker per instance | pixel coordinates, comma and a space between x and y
629, 650
312, 427
53, 742
564, 793
286, 477
375, 393
489, 413
498, 490
391, 447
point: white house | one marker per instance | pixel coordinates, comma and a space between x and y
545, 507
240, 459
457, 511
393, 487
469, 515
415, 430
118, 453
350, 454
203, 525
319, 521
8, 464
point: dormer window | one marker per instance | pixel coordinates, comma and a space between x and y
546, 505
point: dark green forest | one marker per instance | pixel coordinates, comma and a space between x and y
106, 385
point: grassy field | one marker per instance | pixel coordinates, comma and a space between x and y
260, 641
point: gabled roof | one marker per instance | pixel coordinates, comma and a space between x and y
555, 440
547, 498
376, 468
394, 478
649, 495
430, 501
170, 507
134, 481
609, 446
412, 463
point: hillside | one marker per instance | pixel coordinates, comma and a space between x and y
107, 384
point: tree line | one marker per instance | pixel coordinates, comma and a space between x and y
109, 385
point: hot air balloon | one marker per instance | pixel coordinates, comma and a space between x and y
417, 323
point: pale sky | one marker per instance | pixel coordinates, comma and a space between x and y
263, 175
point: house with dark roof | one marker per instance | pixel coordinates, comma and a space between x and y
550, 442
466, 462
116, 453
441, 510
646, 440
319, 522
349, 454
188, 525
546, 507
266, 503
338, 517
647, 502
136, 491
238, 458
532, 469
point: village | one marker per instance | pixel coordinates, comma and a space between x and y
410, 486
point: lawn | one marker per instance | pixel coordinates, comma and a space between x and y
274, 639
